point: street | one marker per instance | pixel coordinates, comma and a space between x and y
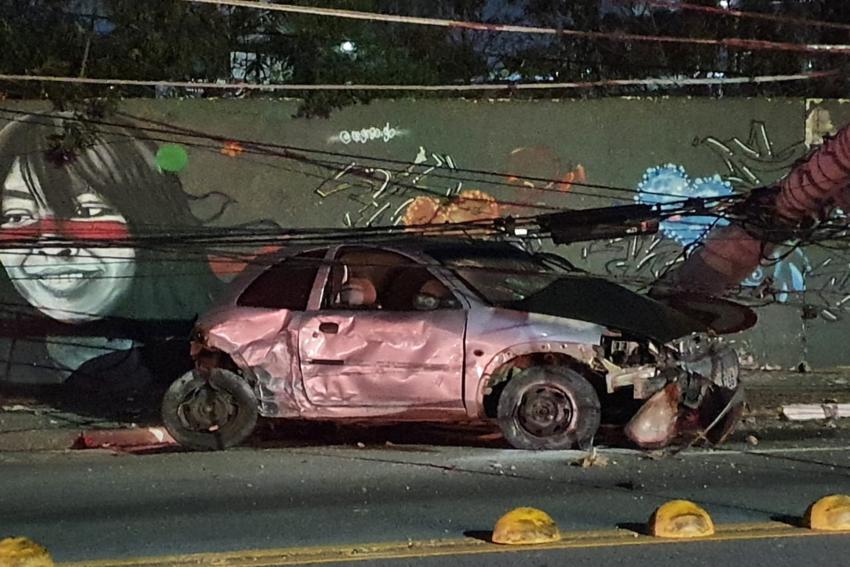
95, 505
521, 283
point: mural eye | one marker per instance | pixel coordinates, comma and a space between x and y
91, 211
16, 217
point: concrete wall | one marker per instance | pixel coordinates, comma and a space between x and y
109, 329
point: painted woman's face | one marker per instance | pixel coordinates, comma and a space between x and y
68, 283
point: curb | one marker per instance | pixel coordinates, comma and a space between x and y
64, 439
37, 440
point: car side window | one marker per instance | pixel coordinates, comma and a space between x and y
286, 285
374, 279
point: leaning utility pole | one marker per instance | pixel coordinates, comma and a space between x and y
807, 195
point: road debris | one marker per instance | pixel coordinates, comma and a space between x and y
123, 439
592, 459
654, 425
804, 412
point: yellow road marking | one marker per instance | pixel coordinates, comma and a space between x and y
443, 547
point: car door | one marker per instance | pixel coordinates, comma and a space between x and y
371, 345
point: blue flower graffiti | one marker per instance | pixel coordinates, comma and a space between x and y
670, 183
788, 275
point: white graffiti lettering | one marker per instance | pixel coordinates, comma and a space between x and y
364, 135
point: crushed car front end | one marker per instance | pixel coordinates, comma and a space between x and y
659, 373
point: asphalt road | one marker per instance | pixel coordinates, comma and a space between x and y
87, 506
785, 553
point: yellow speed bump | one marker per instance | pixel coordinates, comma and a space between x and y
830, 513
680, 519
525, 526
23, 552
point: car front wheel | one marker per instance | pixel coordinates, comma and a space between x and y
549, 407
213, 412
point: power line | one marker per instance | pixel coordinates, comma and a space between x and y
291, 152
170, 129
731, 42
506, 87
675, 5
229, 236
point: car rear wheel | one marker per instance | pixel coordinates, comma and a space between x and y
213, 412
549, 407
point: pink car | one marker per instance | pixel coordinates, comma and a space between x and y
452, 331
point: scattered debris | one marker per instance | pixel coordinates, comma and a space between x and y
654, 425
149, 437
21, 408
592, 459
804, 412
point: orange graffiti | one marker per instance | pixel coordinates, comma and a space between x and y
227, 267
470, 205
424, 210
232, 149
578, 175
539, 167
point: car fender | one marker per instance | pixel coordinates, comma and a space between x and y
581, 352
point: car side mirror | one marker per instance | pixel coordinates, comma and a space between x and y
425, 302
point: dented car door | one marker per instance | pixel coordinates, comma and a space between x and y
377, 342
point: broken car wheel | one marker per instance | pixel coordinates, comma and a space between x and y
549, 408
216, 411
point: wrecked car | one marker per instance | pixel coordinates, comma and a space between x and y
450, 330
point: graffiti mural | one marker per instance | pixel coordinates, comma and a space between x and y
540, 168
754, 162
431, 191
370, 134
669, 184
637, 260
749, 163
93, 315
380, 195
117, 317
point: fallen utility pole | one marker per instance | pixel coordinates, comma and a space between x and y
772, 215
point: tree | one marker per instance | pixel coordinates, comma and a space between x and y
178, 40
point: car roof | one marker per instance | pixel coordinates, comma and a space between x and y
437, 247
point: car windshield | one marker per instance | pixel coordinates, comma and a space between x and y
501, 276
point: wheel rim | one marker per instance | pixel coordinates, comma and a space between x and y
545, 410
207, 409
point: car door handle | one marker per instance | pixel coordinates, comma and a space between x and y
330, 328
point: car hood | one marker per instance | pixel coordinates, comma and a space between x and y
599, 301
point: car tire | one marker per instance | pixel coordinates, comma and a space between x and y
549, 407
209, 412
